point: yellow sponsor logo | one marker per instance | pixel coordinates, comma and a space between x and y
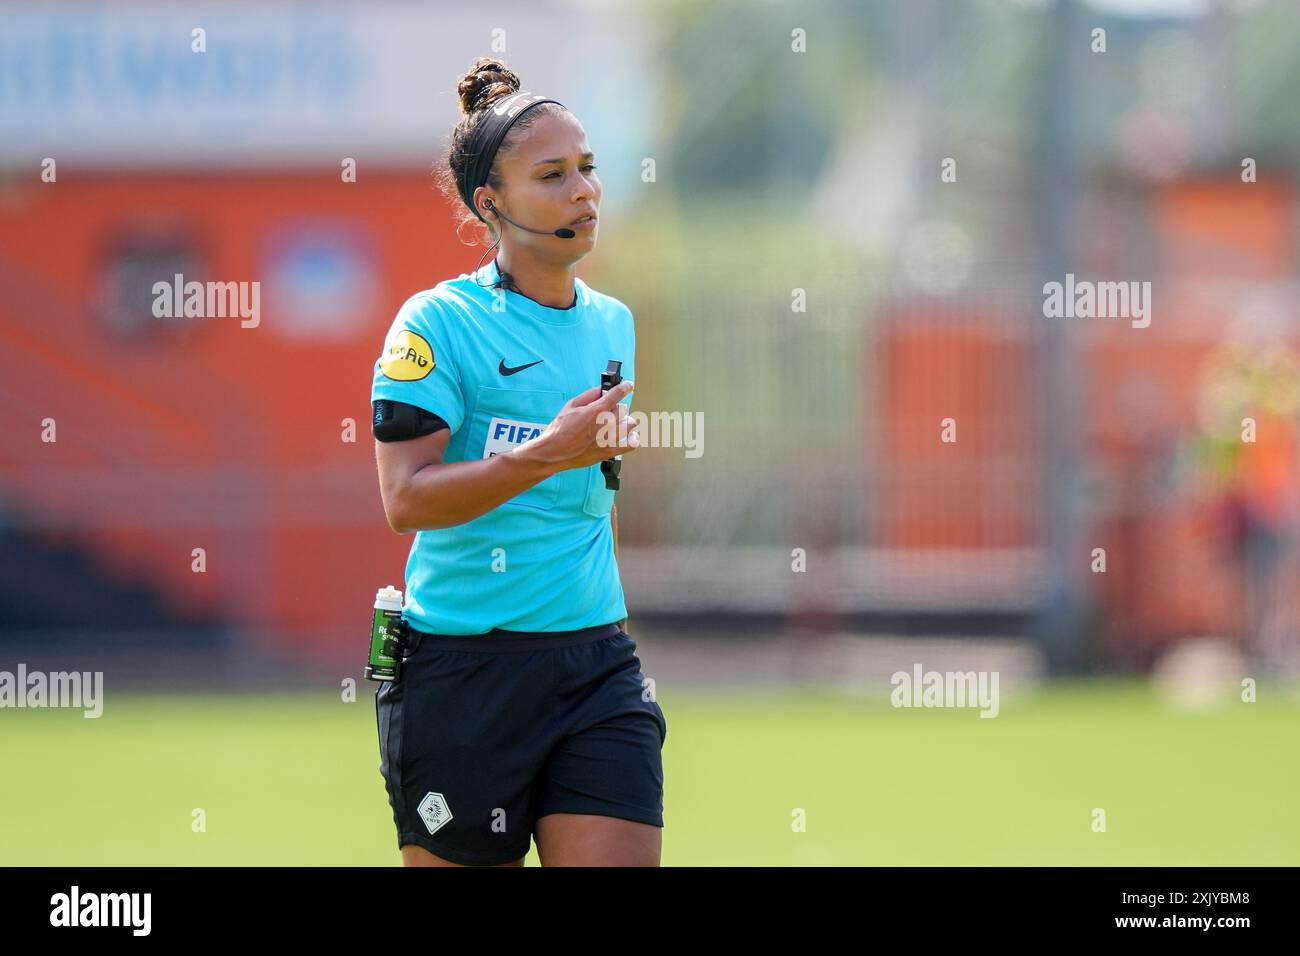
408, 357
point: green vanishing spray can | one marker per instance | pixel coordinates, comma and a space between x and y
386, 636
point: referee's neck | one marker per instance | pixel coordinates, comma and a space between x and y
546, 283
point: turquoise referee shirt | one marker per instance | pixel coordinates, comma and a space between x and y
497, 366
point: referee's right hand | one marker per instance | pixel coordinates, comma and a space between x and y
578, 436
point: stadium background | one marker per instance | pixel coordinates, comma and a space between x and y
772, 171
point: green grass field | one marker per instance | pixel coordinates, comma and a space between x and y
293, 778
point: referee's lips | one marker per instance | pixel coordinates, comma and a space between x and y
586, 219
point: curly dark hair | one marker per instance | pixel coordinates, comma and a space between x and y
487, 81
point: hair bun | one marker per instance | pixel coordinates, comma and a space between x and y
486, 82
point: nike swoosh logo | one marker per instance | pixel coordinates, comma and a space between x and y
507, 370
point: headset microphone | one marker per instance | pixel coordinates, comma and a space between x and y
561, 233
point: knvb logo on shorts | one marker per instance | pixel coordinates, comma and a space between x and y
434, 811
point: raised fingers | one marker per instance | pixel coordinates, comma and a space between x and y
584, 398
615, 395
616, 429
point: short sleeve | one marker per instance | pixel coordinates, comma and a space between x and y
418, 363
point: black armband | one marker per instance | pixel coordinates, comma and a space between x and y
398, 421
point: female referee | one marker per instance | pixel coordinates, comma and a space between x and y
519, 713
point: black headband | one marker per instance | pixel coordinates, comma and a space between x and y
487, 137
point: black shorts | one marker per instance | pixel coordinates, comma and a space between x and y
480, 736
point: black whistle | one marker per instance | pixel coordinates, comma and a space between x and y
610, 466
